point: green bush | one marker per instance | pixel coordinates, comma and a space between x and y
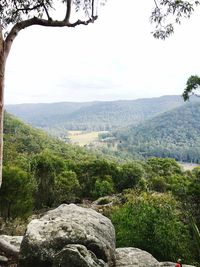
67, 188
16, 193
152, 222
103, 187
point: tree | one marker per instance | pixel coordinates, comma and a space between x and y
66, 188
46, 167
192, 87
163, 166
193, 195
16, 15
166, 9
16, 197
162, 15
129, 176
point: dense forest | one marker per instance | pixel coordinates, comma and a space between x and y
59, 117
173, 134
153, 200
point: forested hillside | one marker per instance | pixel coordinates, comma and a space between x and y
148, 197
93, 115
173, 134
22, 141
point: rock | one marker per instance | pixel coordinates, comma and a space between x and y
107, 200
77, 256
14, 241
167, 264
172, 264
48, 236
10, 245
3, 260
134, 257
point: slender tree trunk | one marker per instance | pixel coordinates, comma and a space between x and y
2, 75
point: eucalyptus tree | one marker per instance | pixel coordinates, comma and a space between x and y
16, 15
192, 87
167, 13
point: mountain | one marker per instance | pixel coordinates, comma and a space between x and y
173, 134
21, 141
93, 115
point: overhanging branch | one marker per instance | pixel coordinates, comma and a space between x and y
42, 22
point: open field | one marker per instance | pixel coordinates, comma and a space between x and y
189, 166
82, 138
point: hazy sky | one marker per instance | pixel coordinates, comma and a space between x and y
114, 58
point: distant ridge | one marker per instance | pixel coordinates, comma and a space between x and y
175, 134
97, 115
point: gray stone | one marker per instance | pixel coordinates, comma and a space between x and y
134, 257
68, 224
172, 264
167, 264
12, 241
77, 256
3, 259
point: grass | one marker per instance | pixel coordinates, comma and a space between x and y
83, 138
189, 166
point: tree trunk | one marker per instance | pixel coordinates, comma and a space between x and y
2, 75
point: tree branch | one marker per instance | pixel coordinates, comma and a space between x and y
68, 10
156, 4
47, 13
27, 8
92, 8
42, 22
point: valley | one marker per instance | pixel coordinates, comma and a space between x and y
133, 129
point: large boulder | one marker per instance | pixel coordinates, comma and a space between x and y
46, 239
77, 256
134, 257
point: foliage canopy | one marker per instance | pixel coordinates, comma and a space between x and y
169, 12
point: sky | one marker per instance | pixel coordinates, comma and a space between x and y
114, 58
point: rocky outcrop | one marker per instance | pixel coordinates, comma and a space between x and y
134, 257
49, 237
72, 236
